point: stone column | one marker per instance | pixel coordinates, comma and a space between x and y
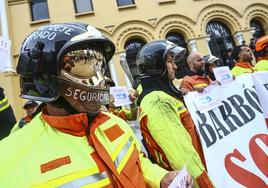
192, 45
238, 36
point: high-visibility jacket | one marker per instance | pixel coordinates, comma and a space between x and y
166, 138
242, 68
125, 114
7, 117
189, 82
54, 151
21, 123
262, 65
188, 124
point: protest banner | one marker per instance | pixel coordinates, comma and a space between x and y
120, 94
234, 136
260, 80
4, 53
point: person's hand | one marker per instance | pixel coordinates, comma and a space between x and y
111, 101
216, 82
183, 91
103, 108
133, 95
168, 178
199, 89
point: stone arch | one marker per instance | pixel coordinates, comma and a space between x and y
219, 12
133, 29
256, 11
175, 22
106, 33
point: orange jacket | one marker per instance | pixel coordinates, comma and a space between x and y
189, 82
104, 153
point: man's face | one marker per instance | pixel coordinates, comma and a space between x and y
211, 67
171, 68
246, 54
198, 63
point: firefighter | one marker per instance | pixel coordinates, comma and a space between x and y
7, 117
196, 79
71, 143
262, 50
166, 139
243, 56
211, 62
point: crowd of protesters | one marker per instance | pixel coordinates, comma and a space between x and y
169, 134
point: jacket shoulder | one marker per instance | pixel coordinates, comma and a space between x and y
19, 140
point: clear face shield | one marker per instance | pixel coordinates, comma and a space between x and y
177, 53
82, 81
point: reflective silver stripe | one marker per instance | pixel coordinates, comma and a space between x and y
182, 107
3, 104
123, 152
85, 180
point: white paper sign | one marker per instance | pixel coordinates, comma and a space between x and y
120, 94
208, 99
4, 53
223, 74
180, 181
234, 136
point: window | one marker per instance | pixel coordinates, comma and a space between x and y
125, 2
83, 6
39, 9
178, 39
220, 38
258, 28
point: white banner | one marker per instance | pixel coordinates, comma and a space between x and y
261, 83
4, 53
234, 136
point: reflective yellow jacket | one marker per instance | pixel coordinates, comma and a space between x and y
262, 65
40, 155
242, 68
170, 142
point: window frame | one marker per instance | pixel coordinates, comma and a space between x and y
33, 19
118, 4
84, 12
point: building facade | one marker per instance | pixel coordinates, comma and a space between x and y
208, 26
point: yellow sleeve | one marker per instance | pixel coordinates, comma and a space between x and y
167, 130
152, 173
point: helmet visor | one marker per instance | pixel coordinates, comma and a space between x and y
83, 63
83, 66
176, 53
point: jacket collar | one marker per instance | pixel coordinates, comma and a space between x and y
244, 65
76, 124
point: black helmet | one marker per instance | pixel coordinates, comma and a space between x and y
64, 60
30, 104
151, 58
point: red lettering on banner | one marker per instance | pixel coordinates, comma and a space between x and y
259, 157
243, 176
